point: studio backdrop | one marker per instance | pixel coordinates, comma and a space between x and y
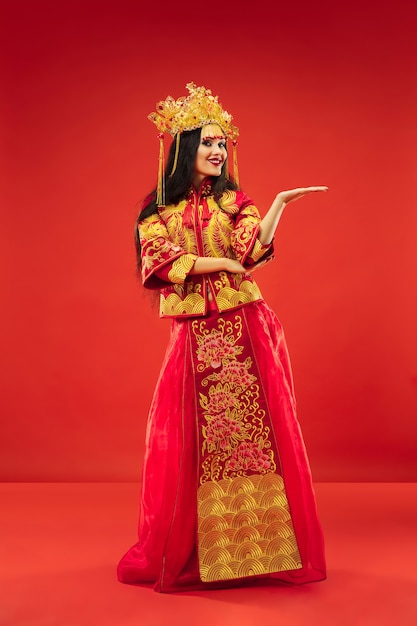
323, 94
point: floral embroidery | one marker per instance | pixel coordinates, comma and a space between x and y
216, 346
214, 349
219, 399
249, 456
237, 373
235, 440
222, 432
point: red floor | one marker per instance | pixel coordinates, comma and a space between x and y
60, 544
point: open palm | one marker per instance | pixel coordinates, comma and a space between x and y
292, 195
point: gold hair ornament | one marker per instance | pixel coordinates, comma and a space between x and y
200, 108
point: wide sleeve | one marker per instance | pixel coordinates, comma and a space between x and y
244, 238
162, 261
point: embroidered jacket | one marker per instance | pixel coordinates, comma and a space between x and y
172, 239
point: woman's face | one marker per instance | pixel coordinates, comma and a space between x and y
211, 153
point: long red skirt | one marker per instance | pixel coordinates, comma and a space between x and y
227, 496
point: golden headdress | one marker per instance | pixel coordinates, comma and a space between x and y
196, 110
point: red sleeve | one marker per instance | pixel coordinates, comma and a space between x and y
244, 238
162, 261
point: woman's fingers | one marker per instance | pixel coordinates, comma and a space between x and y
294, 194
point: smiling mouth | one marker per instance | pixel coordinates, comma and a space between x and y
215, 162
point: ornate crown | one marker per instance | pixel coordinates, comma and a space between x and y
197, 109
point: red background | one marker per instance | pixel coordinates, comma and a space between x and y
322, 94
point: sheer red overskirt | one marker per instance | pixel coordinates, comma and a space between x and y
165, 554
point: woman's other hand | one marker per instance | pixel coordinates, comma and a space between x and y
234, 267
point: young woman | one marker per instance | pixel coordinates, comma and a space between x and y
227, 495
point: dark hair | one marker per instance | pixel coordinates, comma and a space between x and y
178, 185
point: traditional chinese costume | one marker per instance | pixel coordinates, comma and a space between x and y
227, 494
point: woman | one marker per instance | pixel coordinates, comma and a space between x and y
227, 495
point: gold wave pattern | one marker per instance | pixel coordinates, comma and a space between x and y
248, 292
180, 268
258, 250
194, 304
245, 528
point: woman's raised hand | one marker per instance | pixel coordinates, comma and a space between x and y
295, 194
270, 222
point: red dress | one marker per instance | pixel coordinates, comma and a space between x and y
227, 495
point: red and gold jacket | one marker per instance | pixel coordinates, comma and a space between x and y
172, 239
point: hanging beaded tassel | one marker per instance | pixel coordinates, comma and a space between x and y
160, 189
226, 169
235, 168
177, 149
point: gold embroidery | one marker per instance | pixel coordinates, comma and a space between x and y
258, 250
174, 305
227, 296
239, 536
181, 267
228, 202
151, 227
244, 235
158, 249
244, 523
216, 236
183, 237
165, 236
193, 303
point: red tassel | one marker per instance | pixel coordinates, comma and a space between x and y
187, 216
235, 168
160, 189
206, 212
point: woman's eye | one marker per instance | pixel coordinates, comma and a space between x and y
206, 142
222, 145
